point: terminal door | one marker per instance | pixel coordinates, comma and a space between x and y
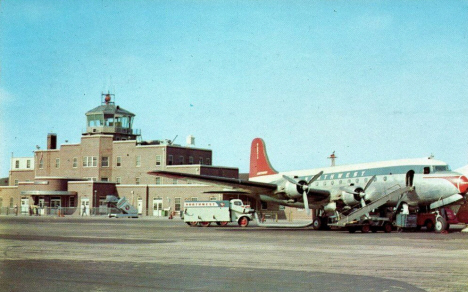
140, 206
24, 206
157, 207
84, 207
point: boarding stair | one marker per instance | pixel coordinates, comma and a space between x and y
395, 195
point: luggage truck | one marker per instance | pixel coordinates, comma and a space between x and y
203, 213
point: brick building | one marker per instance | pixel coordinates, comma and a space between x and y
110, 160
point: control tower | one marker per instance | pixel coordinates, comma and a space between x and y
110, 119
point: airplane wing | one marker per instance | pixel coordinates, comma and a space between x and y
257, 190
240, 186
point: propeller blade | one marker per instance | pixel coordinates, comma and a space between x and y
306, 202
290, 180
314, 178
369, 183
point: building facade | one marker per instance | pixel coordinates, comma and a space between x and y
111, 159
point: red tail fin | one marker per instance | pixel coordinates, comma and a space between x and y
259, 163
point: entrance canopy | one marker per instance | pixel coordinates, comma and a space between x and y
48, 193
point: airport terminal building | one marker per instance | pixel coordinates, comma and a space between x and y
75, 179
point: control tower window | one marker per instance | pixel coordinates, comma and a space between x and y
109, 120
123, 122
95, 120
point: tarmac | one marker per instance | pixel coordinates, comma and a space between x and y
148, 254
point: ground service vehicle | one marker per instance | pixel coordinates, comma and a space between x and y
431, 222
124, 208
203, 213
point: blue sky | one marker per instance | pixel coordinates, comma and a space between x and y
371, 80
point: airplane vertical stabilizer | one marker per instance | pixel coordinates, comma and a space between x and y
259, 162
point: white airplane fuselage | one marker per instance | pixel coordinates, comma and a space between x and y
431, 179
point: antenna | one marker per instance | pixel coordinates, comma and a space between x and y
172, 142
333, 158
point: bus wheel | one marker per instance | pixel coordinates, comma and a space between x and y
429, 225
365, 228
222, 223
205, 224
387, 228
243, 222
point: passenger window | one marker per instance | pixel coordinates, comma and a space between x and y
427, 170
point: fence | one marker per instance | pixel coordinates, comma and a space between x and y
48, 211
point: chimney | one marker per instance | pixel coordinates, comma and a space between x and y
51, 141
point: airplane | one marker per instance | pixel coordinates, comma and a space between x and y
424, 183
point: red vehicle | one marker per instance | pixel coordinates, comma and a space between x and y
428, 220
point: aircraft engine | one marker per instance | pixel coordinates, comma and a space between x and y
352, 196
330, 208
294, 191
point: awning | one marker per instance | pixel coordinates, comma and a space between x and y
48, 193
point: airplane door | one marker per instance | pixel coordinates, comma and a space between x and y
140, 206
157, 207
409, 178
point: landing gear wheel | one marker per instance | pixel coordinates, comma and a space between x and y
387, 228
365, 228
192, 224
205, 224
222, 223
317, 224
440, 224
243, 222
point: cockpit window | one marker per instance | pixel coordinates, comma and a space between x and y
441, 168
427, 170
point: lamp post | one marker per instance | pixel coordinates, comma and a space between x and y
95, 201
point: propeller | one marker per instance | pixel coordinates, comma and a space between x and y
305, 188
363, 193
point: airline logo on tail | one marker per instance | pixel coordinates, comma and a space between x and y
259, 162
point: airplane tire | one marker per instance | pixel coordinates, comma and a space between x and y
317, 224
440, 224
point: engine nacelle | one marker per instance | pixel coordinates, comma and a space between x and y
330, 208
350, 195
294, 191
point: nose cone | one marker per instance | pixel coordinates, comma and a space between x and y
462, 184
